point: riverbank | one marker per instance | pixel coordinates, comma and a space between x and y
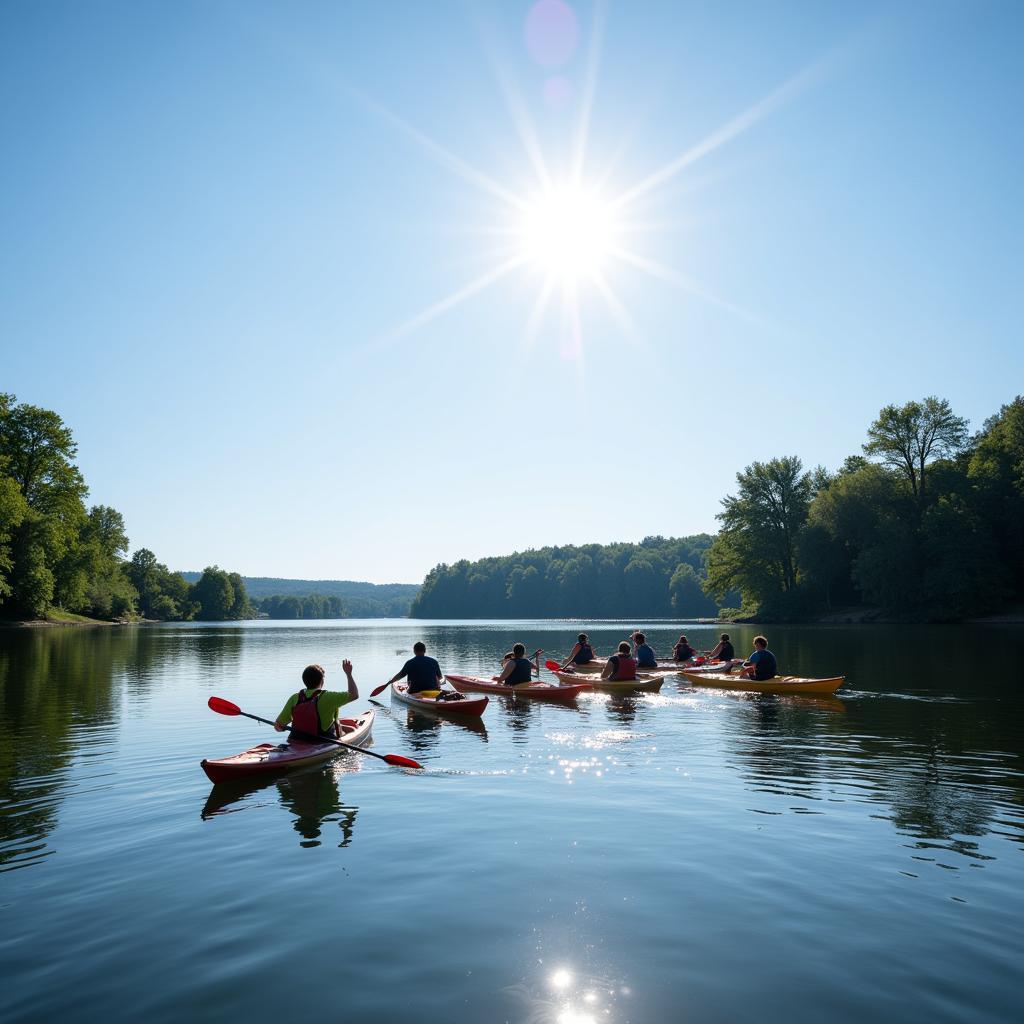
65, 619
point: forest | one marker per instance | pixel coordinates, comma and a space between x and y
925, 523
62, 559
658, 578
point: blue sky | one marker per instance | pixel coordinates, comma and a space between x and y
226, 226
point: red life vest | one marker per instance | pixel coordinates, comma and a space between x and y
306, 716
625, 668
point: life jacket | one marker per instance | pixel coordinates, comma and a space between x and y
306, 716
583, 655
683, 652
522, 673
625, 667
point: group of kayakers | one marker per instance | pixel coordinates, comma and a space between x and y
314, 710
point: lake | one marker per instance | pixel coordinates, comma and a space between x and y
693, 855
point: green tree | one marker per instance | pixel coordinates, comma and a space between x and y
756, 551
687, 594
214, 595
13, 509
909, 438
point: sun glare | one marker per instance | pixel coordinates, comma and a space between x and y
568, 232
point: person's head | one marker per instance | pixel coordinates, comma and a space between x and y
313, 677
419, 647
640, 638
725, 636
582, 638
507, 657
624, 648
519, 650
760, 643
683, 640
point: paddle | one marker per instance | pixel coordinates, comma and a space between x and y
380, 689
553, 666
225, 707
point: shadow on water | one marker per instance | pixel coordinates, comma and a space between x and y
312, 797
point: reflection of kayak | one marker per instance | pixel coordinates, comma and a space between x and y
780, 684
528, 691
644, 681
400, 691
276, 757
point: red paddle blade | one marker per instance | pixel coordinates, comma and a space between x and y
223, 707
552, 666
380, 689
401, 762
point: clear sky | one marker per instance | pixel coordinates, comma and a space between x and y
347, 290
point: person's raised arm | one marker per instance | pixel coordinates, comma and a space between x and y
353, 690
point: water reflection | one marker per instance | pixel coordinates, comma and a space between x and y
313, 798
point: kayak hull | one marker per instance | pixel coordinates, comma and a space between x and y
533, 691
780, 684
433, 706
645, 681
271, 758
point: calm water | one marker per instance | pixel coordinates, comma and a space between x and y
689, 856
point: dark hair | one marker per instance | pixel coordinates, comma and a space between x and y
582, 638
419, 647
725, 636
624, 647
313, 676
760, 640
518, 650
640, 638
683, 640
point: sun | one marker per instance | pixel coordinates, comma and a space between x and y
569, 232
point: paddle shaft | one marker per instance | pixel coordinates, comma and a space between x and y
319, 739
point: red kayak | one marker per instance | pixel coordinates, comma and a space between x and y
294, 753
460, 708
528, 691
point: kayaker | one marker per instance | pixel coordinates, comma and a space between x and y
422, 672
621, 666
645, 657
723, 650
761, 664
683, 651
519, 669
581, 653
314, 710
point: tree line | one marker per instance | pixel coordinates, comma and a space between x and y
658, 578
58, 555
926, 523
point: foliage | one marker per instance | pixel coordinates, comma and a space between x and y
934, 530
590, 580
59, 558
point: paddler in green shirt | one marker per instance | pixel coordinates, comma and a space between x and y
314, 710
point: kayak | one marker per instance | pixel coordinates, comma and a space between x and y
294, 753
528, 691
779, 684
400, 691
591, 666
649, 681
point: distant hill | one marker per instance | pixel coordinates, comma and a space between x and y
369, 600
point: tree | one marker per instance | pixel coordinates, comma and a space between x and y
756, 551
687, 595
13, 509
214, 594
910, 437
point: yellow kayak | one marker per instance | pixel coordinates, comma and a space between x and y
649, 681
778, 684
